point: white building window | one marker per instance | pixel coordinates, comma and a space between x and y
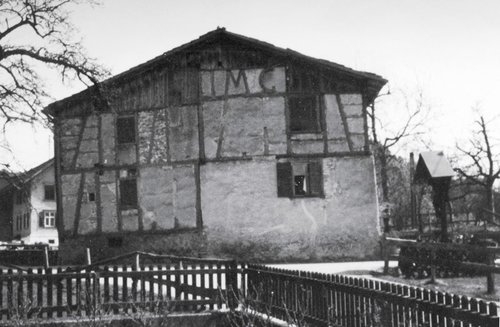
48, 219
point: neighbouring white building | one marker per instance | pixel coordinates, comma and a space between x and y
33, 210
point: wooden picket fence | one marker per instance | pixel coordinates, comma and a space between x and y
117, 289
335, 300
191, 284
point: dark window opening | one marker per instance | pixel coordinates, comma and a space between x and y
125, 130
52, 241
91, 197
304, 116
300, 184
128, 193
115, 242
300, 179
50, 192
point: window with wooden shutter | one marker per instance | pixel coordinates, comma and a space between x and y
300, 179
47, 219
125, 130
285, 184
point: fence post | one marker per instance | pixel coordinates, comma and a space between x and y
385, 255
46, 263
88, 259
433, 266
490, 276
232, 284
138, 262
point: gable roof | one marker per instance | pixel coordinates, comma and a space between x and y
10, 181
432, 165
374, 82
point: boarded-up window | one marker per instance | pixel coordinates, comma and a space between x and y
304, 114
128, 193
125, 130
50, 192
300, 179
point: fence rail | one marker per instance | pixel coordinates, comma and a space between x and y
334, 300
318, 299
50, 292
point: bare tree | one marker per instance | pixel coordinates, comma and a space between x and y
417, 113
46, 24
411, 127
482, 165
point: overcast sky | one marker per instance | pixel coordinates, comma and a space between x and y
450, 49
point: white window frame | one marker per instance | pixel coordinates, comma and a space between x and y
49, 218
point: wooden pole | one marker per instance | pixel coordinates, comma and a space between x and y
385, 254
490, 276
433, 266
138, 262
88, 259
46, 256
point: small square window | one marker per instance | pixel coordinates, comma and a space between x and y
50, 192
52, 241
304, 115
125, 130
300, 179
91, 196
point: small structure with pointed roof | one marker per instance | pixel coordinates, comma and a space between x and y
434, 169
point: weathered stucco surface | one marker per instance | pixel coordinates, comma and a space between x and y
244, 217
69, 188
168, 197
183, 132
249, 126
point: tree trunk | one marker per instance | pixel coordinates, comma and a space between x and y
490, 201
383, 175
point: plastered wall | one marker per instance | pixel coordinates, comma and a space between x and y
244, 217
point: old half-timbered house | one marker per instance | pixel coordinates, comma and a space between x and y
224, 146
